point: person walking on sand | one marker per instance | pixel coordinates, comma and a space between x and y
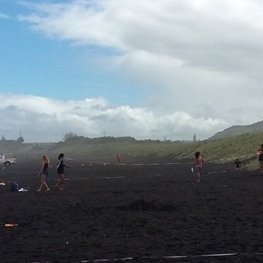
260, 158
44, 173
60, 171
198, 162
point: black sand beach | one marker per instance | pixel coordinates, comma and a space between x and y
134, 213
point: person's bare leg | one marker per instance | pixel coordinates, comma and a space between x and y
39, 189
60, 182
45, 184
198, 175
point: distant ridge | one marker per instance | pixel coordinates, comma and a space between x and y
238, 130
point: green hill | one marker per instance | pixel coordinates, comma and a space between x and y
238, 130
105, 149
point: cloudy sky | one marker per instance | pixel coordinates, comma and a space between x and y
146, 69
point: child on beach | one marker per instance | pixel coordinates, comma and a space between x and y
238, 165
260, 158
44, 173
60, 171
118, 157
198, 163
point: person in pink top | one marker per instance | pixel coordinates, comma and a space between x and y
198, 162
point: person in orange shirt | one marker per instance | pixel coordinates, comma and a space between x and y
198, 163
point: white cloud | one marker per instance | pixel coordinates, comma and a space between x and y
4, 16
199, 59
41, 119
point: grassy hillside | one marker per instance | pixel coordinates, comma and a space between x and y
105, 149
238, 130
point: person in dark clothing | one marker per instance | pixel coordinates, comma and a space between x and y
260, 158
238, 165
60, 171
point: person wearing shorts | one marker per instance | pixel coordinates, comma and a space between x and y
44, 173
60, 171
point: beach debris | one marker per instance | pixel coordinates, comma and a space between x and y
14, 186
23, 190
82, 165
2, 182
10, 225
192, 169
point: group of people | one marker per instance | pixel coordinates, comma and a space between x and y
44, 172
198, 163
199, 160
